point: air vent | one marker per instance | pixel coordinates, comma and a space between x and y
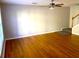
34, 3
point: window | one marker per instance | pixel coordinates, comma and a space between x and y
1, 35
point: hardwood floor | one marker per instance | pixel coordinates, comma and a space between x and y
52, 45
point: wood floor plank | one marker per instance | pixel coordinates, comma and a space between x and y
52, 45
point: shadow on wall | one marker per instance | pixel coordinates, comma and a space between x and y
9, 17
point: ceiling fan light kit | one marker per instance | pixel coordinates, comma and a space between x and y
51, 8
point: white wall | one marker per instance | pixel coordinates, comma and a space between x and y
44, 19
75, 30
74, 10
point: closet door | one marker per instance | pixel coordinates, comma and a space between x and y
1, 35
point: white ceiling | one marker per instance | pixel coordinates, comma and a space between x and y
41, 2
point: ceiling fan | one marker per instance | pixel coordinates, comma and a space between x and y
52, 4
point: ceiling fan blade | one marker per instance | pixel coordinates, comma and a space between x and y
60, 4
76, 4
52, 0
52, 4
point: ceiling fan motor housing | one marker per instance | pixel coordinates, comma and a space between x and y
52, 4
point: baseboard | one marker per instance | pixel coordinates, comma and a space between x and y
20, 36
